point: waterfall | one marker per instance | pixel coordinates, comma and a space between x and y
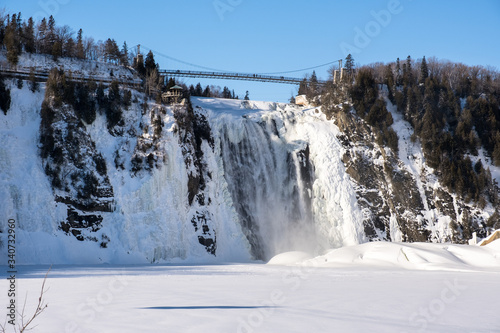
270, 181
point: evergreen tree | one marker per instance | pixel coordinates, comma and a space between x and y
206, 92
19, 24
4, 96
29, 36
398, 73
198, 90
13, 41
127, 98
124, 55
496, 150
33, 84
111, 51
57, 50
51, 37
69, 48
42, 37
407, 72
170, 83
79, 50
303, 87
113, 110
2, 29
364, 92
101, 98
150, 63
313, 86
389, 81
139, 66
349, 67
424, 71
226, 93
83, 103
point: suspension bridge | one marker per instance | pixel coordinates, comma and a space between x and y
232, 76
211, 73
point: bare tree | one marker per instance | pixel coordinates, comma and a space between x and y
24, 326
89, 48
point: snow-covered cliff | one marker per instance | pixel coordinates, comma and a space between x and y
221, 180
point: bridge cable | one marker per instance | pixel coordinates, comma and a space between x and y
226, 71
185, 62
300, 70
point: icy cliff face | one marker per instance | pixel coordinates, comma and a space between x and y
218, 180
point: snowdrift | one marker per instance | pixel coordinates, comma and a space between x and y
414, 256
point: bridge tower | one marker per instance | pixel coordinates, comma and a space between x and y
140, 58
338, 73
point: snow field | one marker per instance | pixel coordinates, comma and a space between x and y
350, 297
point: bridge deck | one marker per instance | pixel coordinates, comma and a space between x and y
233, 76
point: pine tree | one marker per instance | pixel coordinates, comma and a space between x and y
398, 73
408, 79
496, 150
206, 92
170, 83
33, 84
51, 36
349, 67
313, 85
124, 55
29, 36
13, 41
4, 96
198, 91
111, 51
57, 50
150, 63
226, 93
303, 87
389, 81
19, 24
42, 37
2, 29
139, 66
424, 71
79, 51
69, 48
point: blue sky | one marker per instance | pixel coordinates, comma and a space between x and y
261, 36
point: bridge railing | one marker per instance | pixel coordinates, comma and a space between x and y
234, 76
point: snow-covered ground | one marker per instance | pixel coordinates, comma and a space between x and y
41, 63
374, 287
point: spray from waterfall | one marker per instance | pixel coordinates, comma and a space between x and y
270, 182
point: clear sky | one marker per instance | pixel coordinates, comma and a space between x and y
262, 36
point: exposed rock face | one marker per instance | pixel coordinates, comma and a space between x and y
194, 130
399, 201
75, 168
